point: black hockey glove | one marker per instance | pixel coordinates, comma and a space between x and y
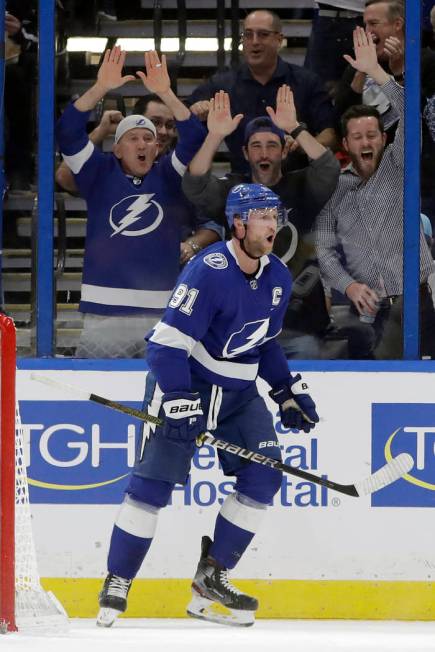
296, 406
184, 419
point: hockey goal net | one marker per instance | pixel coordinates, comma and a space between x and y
24, 605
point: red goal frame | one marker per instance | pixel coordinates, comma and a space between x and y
7, 471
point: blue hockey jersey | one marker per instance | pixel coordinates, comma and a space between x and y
133, 235
222, 324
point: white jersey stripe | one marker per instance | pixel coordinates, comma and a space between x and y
122, 297
178, 165
239, 370
166, 335
77, 161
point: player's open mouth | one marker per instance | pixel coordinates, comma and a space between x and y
270, 239
142, 158
367, 156
265, 165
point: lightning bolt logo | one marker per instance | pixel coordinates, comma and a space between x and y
249, 336
134, 213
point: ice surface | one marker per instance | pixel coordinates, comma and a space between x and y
182, 635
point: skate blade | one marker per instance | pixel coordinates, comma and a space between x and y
213, 612
107, 616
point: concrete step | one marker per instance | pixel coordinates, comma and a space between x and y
193, 60
21, 281
24, 201
21, 258
243, 4
65, 338
195, 28
66, 312
75, 227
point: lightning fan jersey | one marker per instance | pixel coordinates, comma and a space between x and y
133, 235
220, 324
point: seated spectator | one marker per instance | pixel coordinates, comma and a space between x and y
254, 85
152, 107
385, 20
331, 38
133, 235
303, 193
195, 233
364, 220
105, 129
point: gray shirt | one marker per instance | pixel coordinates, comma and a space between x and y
364, 218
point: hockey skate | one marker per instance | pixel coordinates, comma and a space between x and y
112, 599
214, 598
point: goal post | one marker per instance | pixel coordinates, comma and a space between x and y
7, 472
24, 605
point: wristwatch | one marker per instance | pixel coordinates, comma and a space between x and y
297, 130
194, 246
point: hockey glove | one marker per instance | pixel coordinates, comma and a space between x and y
296, 406
184, 419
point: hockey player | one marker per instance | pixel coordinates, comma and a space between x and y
134, 226
217, 335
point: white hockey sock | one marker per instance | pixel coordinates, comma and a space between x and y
244, 512
137, 518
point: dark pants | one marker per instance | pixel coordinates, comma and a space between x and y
383, 340
20, 116
330, 38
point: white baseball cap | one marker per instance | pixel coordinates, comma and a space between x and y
133, 122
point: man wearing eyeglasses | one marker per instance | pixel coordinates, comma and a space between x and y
254, 85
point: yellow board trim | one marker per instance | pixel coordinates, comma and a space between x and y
356, 600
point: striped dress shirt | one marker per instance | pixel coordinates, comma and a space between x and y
364, 219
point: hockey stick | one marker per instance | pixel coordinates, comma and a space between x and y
87, 396
381, 478
384, 476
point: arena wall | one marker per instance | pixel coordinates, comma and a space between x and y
320, 554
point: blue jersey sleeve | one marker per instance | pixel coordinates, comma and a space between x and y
187, 318
191, 135
273, 365
79, 153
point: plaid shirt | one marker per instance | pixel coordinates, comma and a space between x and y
364, 219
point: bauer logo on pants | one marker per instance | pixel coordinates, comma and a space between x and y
409, 428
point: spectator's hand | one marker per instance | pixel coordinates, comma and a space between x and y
366, 59
364, 299
12, 24
108, 123
156, 78
201, 109
396, 55
110, 72
219, 121
285, 114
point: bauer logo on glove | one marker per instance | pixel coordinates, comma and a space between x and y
184, 420
296, 407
